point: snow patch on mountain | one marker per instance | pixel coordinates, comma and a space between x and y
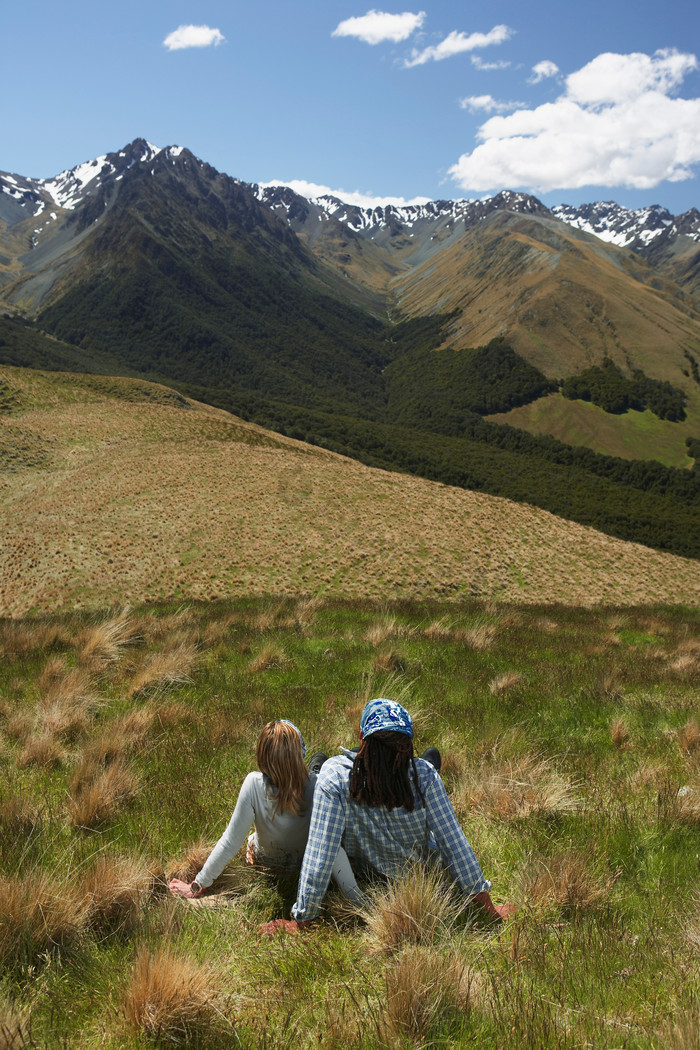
626, 227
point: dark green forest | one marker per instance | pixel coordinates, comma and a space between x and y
606, 386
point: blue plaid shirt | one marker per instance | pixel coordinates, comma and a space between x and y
385, 840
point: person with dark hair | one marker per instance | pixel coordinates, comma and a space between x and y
386, 808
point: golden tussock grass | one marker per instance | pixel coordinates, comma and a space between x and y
390, 661
67, 704
15, 1022
379, 631
508, 789
19, 725
42, 749
424, 986
438, 631
683, 1032
416, 908
619, 733
189, 865
271, 655
505, 683
172, 666
685, 664
38, 913
678, 805
17, 638
480, 637
566, 883
104, 643
689, 737
98, 793
18, 816
173, 998
117, 889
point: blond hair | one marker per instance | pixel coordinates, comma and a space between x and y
280, 758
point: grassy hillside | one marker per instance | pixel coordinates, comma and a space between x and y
119, 490
570, 747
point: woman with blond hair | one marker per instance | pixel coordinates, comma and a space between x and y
276, 801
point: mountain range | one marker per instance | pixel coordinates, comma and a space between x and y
406, 337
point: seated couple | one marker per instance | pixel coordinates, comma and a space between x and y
377, 809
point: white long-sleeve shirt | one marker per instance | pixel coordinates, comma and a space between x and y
279, 839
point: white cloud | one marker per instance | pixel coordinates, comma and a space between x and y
311, 190
377, 26
456, 44
542, 71
479, 63
488, 104
193, 36
616, 124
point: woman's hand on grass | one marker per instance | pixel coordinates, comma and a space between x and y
182, 889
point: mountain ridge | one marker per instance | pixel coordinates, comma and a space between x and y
325, 322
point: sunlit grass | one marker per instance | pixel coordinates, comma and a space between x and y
571, 752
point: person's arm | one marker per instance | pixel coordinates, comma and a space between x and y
325, 833
227, 846
456, 852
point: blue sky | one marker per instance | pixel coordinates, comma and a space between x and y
440, 99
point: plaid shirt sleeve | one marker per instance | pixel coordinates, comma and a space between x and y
325, 833
455, 851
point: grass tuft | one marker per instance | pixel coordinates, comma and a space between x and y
98, 793
173, 998
509, 789
424, 988
416, 908
161, 669
566, 883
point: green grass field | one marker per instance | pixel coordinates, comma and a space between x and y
571, 750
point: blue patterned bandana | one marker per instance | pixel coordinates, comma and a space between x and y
385, 714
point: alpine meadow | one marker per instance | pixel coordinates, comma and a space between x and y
270, 456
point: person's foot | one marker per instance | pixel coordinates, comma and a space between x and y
432, 755
316, 761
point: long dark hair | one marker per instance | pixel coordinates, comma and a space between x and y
380, 772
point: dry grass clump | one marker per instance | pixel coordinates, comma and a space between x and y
390, 661
104, 643
187, 867
482, 636
508, 789
173, 998
19, 637
438, 631
116, 889
378, 632
424, 987
683, 1032
566, 883
270, 656
98, 792
416, 908
689, 737
67, 704
18, 816
172, 666
39, 912
619, 733
505, 683
42, 749
678, 805
15, 1021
